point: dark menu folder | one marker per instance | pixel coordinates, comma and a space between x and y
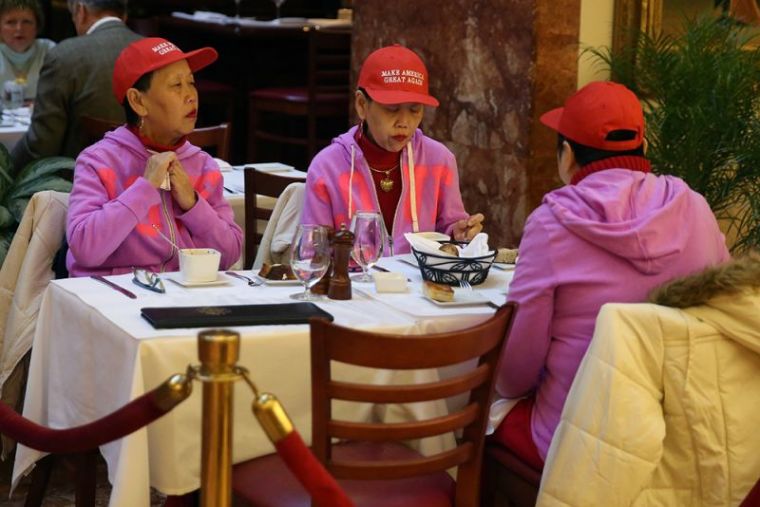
232, 315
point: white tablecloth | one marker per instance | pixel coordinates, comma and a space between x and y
93, 353
13, 125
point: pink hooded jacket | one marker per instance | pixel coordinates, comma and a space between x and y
339, 183
611, 238
113, 210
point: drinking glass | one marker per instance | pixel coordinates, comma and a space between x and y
237, 9
278, 4
369, 240
309, 257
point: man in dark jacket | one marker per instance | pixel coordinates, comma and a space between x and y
75, 81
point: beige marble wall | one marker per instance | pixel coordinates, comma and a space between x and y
495, 66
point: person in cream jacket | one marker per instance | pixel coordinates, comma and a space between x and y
665, 409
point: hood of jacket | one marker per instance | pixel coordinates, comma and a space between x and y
125, 139
727, 297
631, 214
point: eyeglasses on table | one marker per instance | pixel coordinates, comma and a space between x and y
148, 280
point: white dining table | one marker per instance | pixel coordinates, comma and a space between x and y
13, 125
93, 353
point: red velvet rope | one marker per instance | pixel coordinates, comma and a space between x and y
321, 486
123, 421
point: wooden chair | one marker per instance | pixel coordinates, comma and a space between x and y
507, 480
259, 184
325, 95
371, 461
214, 139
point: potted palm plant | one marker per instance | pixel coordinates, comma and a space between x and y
701, 95
52, 173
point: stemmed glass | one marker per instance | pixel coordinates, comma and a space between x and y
309, 257
369, 240
237, 10
278, 4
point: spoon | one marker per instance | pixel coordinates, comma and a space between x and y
172, 243
251, 281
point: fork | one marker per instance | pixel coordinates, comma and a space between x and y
251, 281
466, 286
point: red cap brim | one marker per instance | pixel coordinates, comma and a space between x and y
399, 97
552, 118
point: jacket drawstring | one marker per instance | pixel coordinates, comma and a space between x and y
413, 192
351, 185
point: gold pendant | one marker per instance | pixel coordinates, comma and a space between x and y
386, 184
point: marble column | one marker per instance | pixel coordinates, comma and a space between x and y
495, 66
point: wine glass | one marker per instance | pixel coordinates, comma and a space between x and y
369, 240
309, 257
237, 10
278, 4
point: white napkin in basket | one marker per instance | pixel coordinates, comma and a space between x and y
475, 248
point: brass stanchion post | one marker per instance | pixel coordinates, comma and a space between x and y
218, 351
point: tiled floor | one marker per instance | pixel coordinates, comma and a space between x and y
60, 492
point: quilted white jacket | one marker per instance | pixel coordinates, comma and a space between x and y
665, 408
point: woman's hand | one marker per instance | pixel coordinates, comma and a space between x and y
158, 166
467, 228
182, 188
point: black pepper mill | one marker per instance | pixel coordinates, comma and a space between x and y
340, 283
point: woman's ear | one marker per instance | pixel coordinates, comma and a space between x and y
361, 104
566, 163
136, 102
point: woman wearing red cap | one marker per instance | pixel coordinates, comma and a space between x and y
144, 180
387, 164
613, 233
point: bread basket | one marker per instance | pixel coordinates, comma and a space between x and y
450, 270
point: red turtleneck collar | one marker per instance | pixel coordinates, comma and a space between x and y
151, 145
630, 162
377, 157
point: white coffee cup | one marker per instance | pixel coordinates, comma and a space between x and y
197, 265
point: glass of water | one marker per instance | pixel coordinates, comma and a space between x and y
309, 257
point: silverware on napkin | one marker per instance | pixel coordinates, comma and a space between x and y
115, 287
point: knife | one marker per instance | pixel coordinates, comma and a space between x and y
119, 288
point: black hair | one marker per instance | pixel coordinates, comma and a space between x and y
366, 95
585, 155
142, 84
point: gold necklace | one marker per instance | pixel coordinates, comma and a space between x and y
386, 184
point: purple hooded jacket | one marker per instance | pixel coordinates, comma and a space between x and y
613, 237
113, 210
339, 178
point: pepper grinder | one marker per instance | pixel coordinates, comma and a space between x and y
323, 285
340, 283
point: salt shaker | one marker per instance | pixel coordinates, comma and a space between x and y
340, 283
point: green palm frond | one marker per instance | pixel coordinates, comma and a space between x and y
701, 96
6, 218
29, 188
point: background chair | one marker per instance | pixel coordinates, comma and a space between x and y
507, 480
258, 184
215, 140
274, 247
274, 112
371, 461
24, 276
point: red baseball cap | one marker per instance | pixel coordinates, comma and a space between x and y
594, 111
396, 75
149, 54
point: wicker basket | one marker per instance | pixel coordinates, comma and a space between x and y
450, 270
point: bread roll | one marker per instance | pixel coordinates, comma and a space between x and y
438, 292
506, 255
450, 249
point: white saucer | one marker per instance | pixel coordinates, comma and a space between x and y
221, 279
462, 298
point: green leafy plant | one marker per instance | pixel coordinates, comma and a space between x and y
43, 174
701, 95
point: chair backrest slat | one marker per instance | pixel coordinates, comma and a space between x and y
379, 432
481, 344
364, 470
409, 393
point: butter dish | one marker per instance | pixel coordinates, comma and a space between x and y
389, 282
